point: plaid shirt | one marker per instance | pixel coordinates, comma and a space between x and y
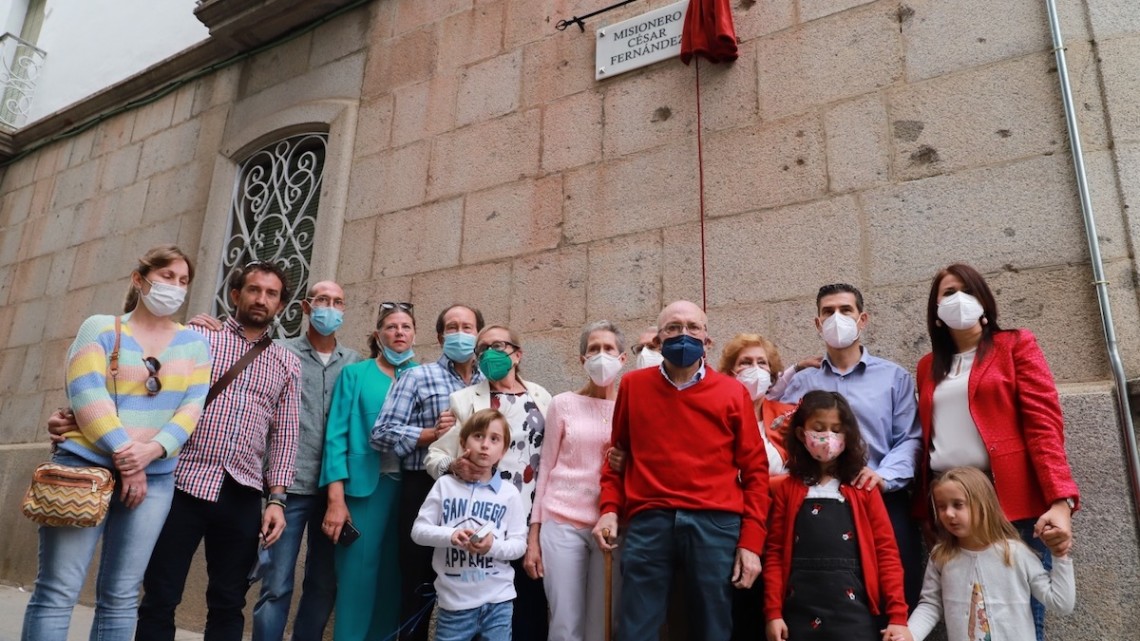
417, 399
260, 407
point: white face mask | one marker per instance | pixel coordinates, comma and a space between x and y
163, 300
649, 358
840, 331
960, 311
603, 368
756, 379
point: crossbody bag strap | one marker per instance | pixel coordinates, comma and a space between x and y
115, 350
235, 369
114, 360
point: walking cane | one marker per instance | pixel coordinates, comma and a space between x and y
608, 555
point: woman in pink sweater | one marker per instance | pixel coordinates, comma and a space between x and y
578, 426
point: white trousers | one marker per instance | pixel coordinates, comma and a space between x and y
575, 582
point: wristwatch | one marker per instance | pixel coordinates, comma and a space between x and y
1071, 503
278, 498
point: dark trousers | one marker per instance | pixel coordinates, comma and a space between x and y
698, 545
530, 619
230, 528
909, 540
748, 612
416, 574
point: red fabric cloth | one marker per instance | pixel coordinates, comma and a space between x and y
683, 449
708, 32
771, 410
878, 553
1014, 403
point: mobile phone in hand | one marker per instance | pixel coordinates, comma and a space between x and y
348, 534
259, 565
487, 528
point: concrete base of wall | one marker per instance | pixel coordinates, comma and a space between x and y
1107, 552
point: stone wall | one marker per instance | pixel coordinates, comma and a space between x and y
868, 142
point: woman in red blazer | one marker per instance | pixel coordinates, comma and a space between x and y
986, 399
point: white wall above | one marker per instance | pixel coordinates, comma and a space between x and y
92, 44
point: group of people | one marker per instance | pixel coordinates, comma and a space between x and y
458, 497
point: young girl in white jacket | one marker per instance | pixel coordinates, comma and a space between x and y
981, 576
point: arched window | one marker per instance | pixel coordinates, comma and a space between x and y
273, 218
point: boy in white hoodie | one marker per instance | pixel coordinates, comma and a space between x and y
474, 580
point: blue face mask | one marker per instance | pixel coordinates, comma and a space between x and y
326, 320
458, 347
397, 358
683, 350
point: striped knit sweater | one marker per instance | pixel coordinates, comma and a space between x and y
167, 418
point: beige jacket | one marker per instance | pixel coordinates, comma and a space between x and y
464, 403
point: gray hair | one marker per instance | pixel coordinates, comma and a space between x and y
600, 326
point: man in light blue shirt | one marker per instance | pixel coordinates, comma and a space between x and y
881, 394
415, 415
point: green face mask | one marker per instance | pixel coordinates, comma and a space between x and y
495, 365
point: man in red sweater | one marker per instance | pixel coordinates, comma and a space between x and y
693, 493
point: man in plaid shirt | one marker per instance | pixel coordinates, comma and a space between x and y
415, 416
246, 440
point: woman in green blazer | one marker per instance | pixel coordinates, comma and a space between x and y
363, 483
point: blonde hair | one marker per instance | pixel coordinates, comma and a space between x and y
987, 521
739, 343
156, 258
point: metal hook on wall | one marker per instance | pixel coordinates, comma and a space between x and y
581, 21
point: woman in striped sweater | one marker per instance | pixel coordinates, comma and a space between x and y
133, 423
561, 548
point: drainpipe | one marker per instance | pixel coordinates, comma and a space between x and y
1099, 280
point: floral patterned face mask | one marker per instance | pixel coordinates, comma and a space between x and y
825, 447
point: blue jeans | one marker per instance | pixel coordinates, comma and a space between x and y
490, 622
65, 554
1025, 529
702, 544
319, 592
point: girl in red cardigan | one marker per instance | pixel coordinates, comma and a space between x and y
831, 569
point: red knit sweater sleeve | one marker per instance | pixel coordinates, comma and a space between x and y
612, 498
752, 461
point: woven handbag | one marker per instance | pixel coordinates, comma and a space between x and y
62, 496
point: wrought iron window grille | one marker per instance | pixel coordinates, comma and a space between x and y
20, 66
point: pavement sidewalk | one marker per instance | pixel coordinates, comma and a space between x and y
12, 603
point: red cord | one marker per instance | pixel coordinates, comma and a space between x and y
701, 174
